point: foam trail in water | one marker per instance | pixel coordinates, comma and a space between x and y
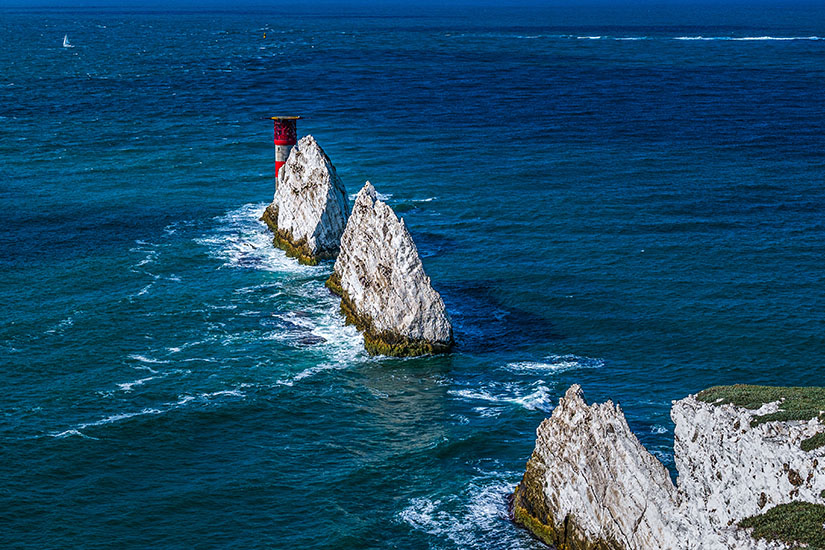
127, 386
469, 524
243, 241
747, 38
144, 359
340, 345
533, 397
381, 196
312, 319
166, 407
555, 364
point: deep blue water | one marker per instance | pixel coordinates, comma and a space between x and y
601, 197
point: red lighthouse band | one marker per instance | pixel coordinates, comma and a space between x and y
286, 136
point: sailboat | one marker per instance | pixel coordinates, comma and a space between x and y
66, 41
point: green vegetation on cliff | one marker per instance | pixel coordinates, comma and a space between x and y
797, 403
795, 523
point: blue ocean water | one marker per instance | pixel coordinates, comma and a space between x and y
630, 198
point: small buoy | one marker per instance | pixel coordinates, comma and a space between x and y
264, 35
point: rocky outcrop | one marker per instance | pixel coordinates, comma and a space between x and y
383, 287
310, 208
590, 484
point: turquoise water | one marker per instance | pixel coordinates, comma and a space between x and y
600, 196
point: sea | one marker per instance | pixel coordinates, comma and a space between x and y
625, 196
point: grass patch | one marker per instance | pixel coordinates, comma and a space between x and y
814, 442
796, 523
798, 403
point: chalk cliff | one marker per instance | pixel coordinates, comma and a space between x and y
310, 208
383, 287
590, 484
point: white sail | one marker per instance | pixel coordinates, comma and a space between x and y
66, 41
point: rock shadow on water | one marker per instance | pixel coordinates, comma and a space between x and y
483, 322
432, 244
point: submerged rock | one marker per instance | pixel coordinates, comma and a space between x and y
590, 484
383, 287
310, 208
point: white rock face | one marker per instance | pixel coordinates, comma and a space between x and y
310, 207
596, 484
381, 276
726, 465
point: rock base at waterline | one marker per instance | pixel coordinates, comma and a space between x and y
386, 342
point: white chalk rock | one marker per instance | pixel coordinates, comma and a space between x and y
384, 288
591, 484
310, 209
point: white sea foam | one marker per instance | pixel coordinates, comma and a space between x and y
657, 429
779, 38
61, 326
555, 364
142, 291
538, 400
310, 313
748, 38
698, 37
534, 397
306, 373
241, 240
121, 416
183, 400
340, 345
150, 257
381, 196
69, 433
106, 420
144, 359
127, 386
664, 456
223, 393
471, 518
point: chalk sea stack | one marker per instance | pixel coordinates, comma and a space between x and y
751, 475
384, 290
310, 208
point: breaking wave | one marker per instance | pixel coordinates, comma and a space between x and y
494, 397
241, 240
555, 364
471, 519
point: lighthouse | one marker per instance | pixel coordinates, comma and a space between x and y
286, 136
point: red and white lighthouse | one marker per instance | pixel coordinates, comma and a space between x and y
286, 136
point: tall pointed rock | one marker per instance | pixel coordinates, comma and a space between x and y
384, 289
310, 209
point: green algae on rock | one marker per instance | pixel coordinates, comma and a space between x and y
529, 509
283, 239
384, 290
795, 403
